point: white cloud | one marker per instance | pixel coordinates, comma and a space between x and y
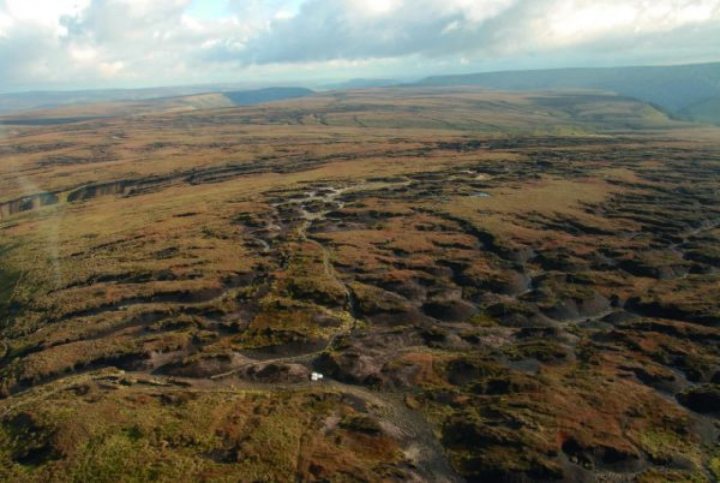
98, 42
47, 13
83, 54
6, 22
573, 22
376, 7
110, 69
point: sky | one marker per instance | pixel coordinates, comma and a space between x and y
80, 44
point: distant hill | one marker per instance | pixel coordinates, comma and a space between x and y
33, 101
259, 96
673, 88
707, 110
66, 114
24, 101
363, 84
85, 111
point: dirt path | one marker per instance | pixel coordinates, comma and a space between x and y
422, 447
425, 451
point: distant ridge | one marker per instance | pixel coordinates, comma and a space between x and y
363, 84
259, 96
27, 101
81, 112
673, 88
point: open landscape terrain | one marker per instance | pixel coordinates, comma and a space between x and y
496, 286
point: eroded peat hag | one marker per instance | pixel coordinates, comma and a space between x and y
486, 301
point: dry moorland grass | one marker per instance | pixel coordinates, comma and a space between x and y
495, 285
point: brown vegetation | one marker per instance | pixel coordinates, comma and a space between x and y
495, 288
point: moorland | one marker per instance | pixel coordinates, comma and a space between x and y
496, 287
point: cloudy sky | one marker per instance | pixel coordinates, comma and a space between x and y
133, 43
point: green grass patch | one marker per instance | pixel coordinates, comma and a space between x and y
715, 467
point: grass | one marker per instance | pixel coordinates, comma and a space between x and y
175, 274
715, 467
499, 212
8, 283
134, 433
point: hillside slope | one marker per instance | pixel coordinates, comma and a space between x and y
103, 110
270, 94
674, 88
707, 110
